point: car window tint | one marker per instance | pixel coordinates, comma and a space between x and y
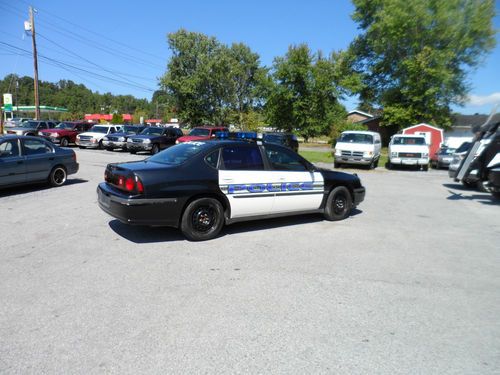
284, 160
213, 159
9, 149
242, 158
35, 147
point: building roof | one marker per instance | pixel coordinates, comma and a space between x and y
359, 113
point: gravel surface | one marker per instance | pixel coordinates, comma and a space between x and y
410, 283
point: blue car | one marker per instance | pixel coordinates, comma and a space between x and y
27, 159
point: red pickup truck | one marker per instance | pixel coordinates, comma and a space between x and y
201, 133
65, 132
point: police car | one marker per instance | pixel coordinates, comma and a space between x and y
200, 186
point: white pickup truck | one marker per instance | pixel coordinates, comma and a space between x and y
408, 149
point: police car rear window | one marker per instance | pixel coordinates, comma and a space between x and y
178, 154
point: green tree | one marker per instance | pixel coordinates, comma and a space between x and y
117, 119
209, 82
304, 95
416, 55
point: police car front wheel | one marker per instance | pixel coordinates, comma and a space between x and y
338, 204
202, 219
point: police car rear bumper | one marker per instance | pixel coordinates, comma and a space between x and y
359, 195
139, 211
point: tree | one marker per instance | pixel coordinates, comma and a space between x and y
415, 55
210, 82
304, 95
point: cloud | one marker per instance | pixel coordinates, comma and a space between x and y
479, 100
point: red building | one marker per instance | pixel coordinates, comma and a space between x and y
434, 136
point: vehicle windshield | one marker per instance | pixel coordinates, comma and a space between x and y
65, 125
464, 147
130, 129
178, 154
152, 131
199, 132
99, 129
447, 151
356, 138
274, 138
408, 141
28, 124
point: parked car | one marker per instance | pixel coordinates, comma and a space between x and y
359, 148
14, 122
443, 157
26, 159
93, 138
284, 139
201, 133
199, 186
119, 140
31, 127
65, 133
153, 139
408, 150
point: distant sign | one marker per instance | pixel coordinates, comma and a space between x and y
7, 101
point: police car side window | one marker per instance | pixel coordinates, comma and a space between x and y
212, 159
242, 158
284, 160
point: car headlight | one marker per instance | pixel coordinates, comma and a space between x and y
19, 132
146, 140
338, 152
394, 154
425, 155
40, 133
177, 142
121, 139
55, 135
129, 140
93, 140
104, 138
368, 154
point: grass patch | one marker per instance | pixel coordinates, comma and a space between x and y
317, 156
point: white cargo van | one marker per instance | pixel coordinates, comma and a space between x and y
409, 149
358, 147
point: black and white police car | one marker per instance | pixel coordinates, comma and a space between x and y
200, 186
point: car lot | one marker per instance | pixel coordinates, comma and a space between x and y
409, 284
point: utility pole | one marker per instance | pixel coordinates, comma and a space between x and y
35, 63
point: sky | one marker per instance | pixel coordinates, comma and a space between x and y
121, 47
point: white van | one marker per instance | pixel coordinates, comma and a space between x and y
358, 147
409, 149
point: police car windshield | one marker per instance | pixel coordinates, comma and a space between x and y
178, 154
356, 138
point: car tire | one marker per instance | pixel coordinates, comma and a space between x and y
496, 194
133, 152
376, 164
81, 147
338, 204
64, 142
336, 165
58, 176
389, 165
99, 145
468, 184
155, 149
202, 219
372, 165
109, 149
425, 168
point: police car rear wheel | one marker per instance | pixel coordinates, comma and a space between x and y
202, 219
338, 204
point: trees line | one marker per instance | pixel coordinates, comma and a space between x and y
410, 63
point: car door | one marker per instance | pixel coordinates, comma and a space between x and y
300, 189
244, 180
12, 165
39, 158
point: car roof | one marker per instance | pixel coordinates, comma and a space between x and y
409, 135
14, 136
361, 132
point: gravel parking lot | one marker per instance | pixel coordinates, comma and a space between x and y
409, 284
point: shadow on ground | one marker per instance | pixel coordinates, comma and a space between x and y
145, 234
25, 189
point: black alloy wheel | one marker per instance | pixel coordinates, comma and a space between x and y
338, 204
58, 176
202, 219
155, 149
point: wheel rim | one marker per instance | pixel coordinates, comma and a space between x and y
339, 204
64, 142
59, 176
204, 218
